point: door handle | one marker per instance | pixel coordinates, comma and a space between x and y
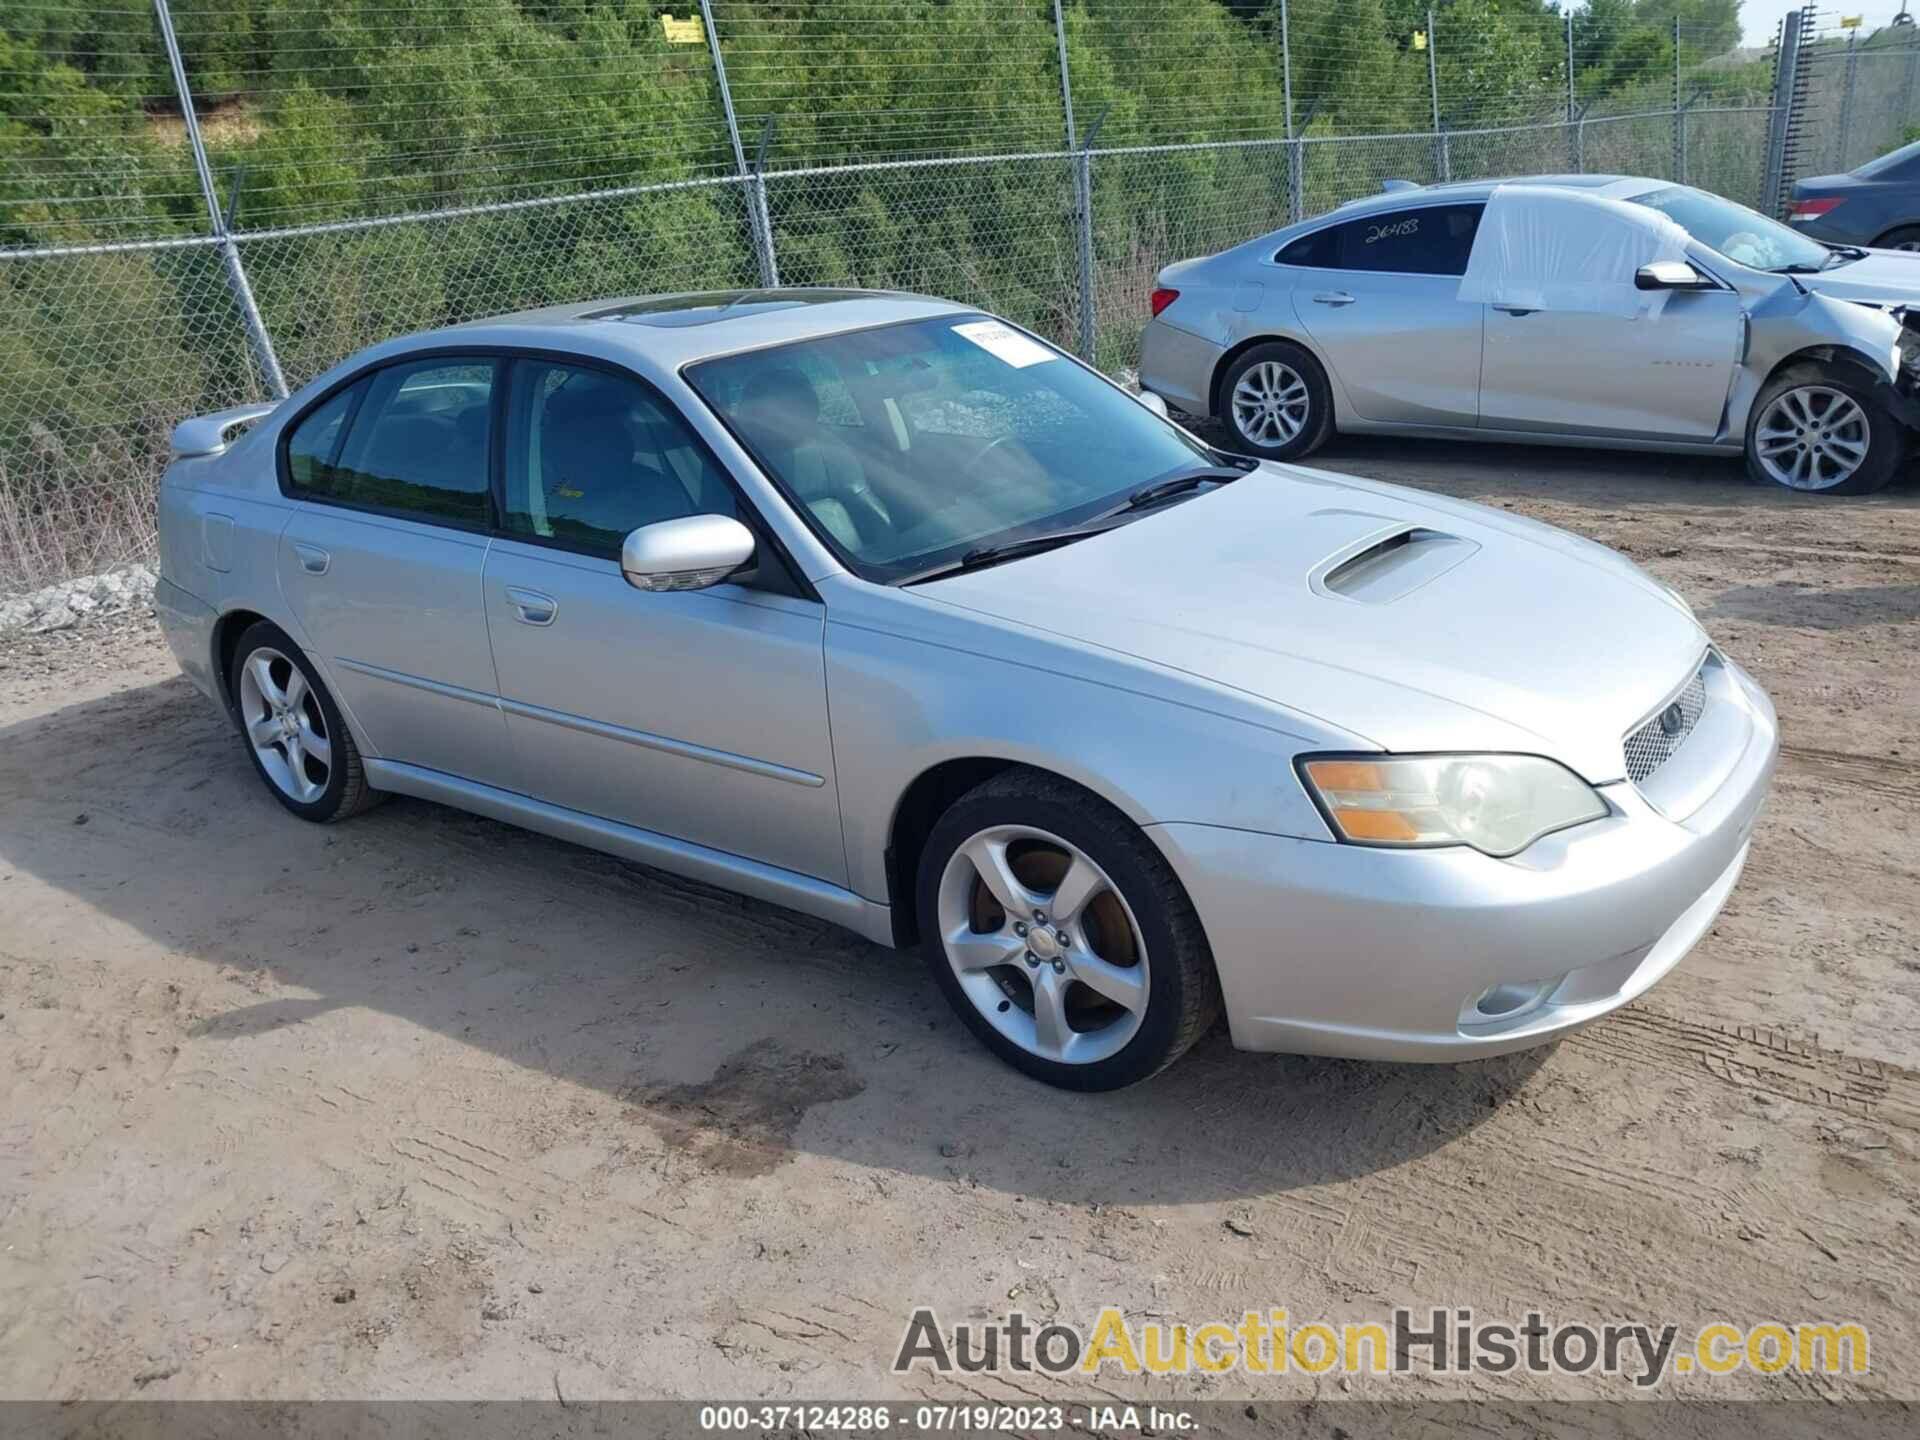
1333, 297
313, 559
1513, 309
534, 608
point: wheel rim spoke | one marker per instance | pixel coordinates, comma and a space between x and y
1051, 1032
1812, 437
989, 858
971, 951
1124, 985
261, 668
1079, 885
316, 745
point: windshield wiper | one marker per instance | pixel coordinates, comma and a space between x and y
1177, 484
1796, 268
980, 557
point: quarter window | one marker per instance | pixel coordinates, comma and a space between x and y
415, 443
592, 456
1428, 240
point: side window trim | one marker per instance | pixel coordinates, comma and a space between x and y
361, 381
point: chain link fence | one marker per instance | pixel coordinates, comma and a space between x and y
199, 233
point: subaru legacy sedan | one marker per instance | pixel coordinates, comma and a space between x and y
886, 610
1592, 310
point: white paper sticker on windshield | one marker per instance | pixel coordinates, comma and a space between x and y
1004, 342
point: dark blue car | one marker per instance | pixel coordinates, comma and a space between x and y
1878, 204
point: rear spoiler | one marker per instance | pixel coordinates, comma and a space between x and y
210, 434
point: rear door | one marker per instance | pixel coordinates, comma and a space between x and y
382, 560
1377, 296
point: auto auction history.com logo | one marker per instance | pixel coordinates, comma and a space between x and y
1432, 1342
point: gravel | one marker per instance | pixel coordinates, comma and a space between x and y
59, 607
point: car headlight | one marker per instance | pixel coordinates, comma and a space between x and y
1498, 804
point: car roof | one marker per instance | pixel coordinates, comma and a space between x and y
1619, 187
675, 330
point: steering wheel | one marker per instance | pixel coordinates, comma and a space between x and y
1744, 240
981, 452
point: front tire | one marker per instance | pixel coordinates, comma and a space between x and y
1276, 402
1820, 429
294, 733
1061, 936
1905, 237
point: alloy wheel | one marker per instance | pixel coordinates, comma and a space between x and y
1812, 437
283, 722
1271, 403
1043, 944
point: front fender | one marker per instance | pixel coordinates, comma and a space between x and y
903, 703
1791, 323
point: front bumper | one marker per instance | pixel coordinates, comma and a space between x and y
1332, 949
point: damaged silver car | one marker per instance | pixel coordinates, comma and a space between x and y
1564, 309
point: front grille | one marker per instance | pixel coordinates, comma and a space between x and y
1654, 743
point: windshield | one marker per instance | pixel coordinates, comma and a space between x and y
909, 445
1742, 235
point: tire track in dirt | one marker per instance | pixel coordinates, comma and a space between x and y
1894, 778
1754, 1058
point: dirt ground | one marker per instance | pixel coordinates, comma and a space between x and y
421, 1105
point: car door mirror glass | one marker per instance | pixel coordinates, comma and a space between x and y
1670, 275
690, 553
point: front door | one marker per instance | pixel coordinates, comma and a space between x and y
699, 715
1662, 374
381, 562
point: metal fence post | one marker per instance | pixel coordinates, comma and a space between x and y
1786, 77
257, 337
752, 180
1679, 117
1296, 153
1846, 103
1442, 150
1088, 338
1083, 186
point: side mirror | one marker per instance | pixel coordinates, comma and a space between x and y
690, 553
1154, 403
1670, 275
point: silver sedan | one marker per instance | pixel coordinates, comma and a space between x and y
885, 610
1618, 312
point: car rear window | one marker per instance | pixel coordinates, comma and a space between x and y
1425, 240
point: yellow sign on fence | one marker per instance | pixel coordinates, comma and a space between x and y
1419, 39
1850, 22
683, 32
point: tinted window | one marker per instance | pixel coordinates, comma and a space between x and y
315, 442
592, 456
416, 446
1430, 240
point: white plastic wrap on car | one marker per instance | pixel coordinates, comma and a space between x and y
1547, 249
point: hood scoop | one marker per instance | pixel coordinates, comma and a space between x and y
1390, 565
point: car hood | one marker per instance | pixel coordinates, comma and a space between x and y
1890, 277
1413, 621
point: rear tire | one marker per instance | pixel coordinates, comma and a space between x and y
1276, 403
293, 731
1821, 429
1061, 936
1904, 237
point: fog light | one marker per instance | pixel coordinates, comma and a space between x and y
1507, 1000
